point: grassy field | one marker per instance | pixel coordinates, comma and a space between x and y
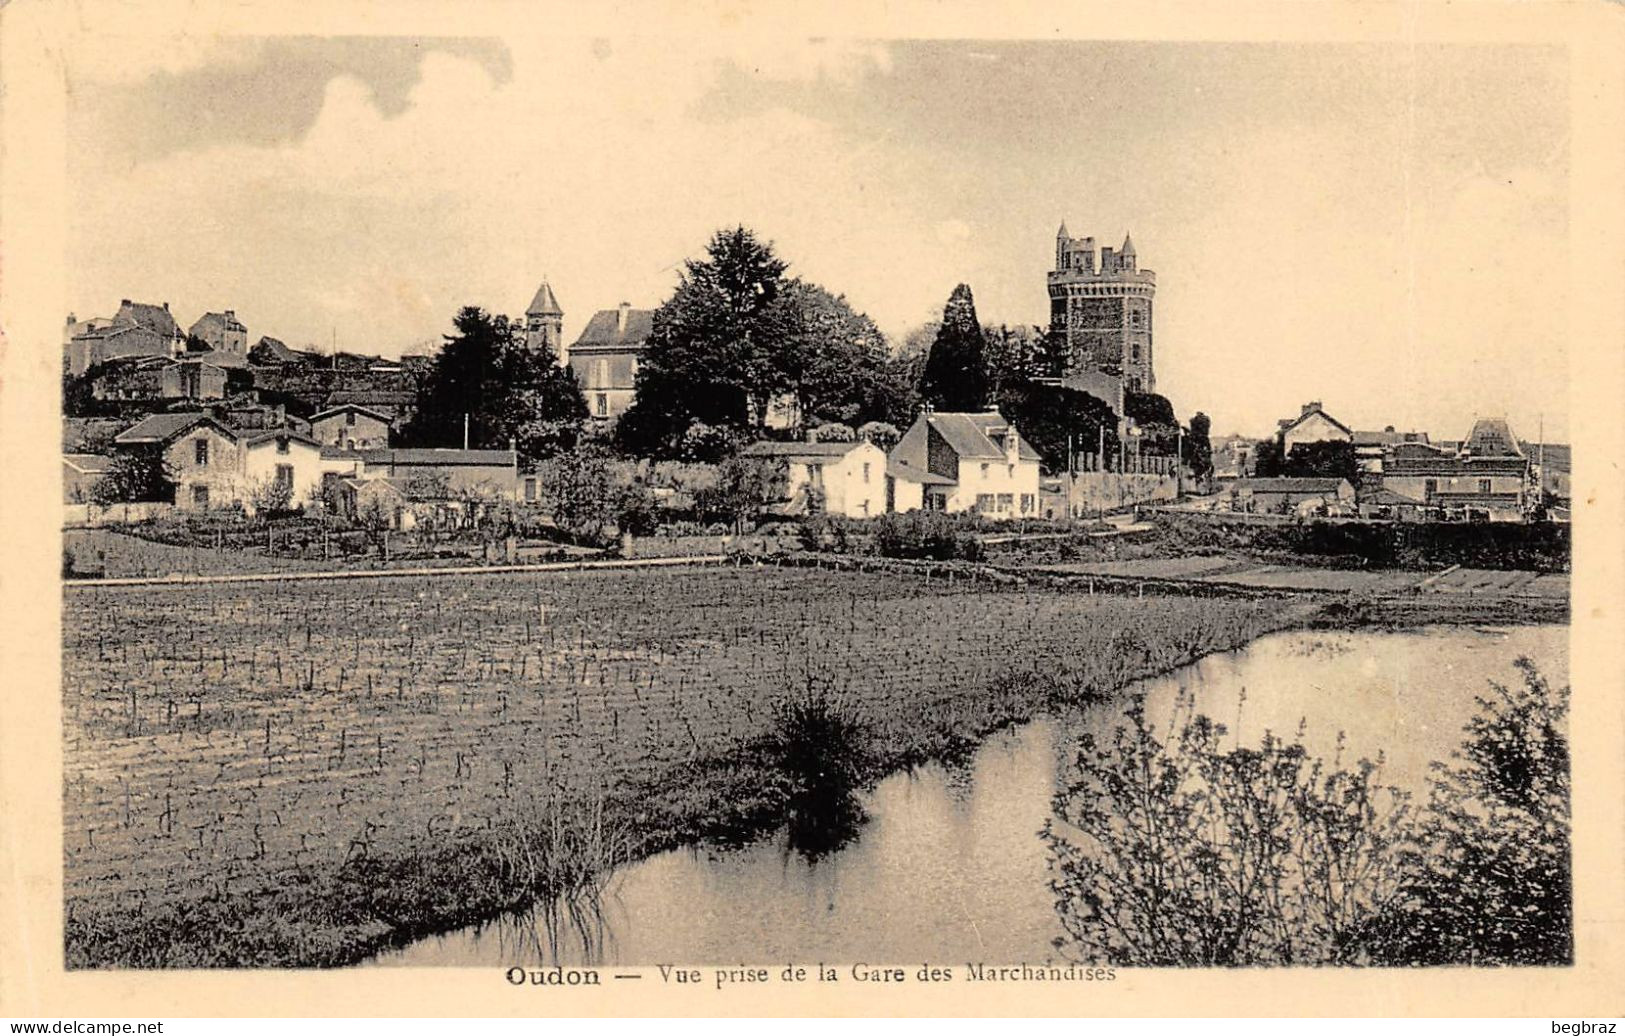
300, 774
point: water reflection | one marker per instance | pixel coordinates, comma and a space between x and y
949, 868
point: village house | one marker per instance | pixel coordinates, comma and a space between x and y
842, 478
1301, 497
1312, 425
964, 462
385, 498
352, 427
605, 358
1371, 448
282, 469
80, 472
200, 455
490, 474
138, 329
225, 336
1487, 477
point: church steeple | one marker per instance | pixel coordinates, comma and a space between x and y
544, 323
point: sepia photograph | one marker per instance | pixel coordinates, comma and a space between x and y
579, 504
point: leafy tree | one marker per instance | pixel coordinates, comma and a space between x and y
1265, 460
882, 433
582, 493
1198, 445
1322, 460
1490, 871
715, 352
955, 376
506, 390
1014, 355
832, 432
835, 359
133, 477
744, 486
1051, 418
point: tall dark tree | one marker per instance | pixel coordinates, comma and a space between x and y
835, 358
955, 377
1054, 419
1199, 445
1322, 460
1014, 354
505, 390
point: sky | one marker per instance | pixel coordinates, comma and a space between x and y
1383, 228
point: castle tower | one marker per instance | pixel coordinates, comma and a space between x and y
544, 324
1102, 318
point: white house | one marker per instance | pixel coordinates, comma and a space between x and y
964, 462
285, 459
1313, 425
844, 478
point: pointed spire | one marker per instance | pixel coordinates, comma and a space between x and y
544, 304
1128, 245
1062, 232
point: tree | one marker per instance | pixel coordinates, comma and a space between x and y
835, 359
832, 432
1490, 870
744, 486
506, 391
1266, 460
882, 433
1014, 356
1322, 460
955, 376
714, 354
1198, 446
1053, 418
133, 477
582, 493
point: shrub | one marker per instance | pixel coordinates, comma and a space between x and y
832, 432
924, 535
1186, 852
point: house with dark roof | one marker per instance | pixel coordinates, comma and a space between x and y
473, 473
352, 426
964, 462
225, 336
201, 456
605, 358
1312, 424
1487, 476
844, 478
138, 329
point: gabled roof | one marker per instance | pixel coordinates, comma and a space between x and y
971, 435
794, 450
1288, 425
357, 407
153, 318
544, 304
604, 330
280, 433
225, 321
1492, 437
1289, 485
161, 428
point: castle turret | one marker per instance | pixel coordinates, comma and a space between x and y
1102, 316
544, 323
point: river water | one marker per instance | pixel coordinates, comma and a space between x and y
950, 868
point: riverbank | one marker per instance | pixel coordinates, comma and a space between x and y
379, 785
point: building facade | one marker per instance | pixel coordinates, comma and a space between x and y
965, 462
605, 358
351, 427
1101, 311
844, 478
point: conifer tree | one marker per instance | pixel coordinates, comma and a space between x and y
955, 376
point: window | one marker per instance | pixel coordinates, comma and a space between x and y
349, 417
200, 452
530, 491
1010, 470
1134, 351
1028, 504
282, 446
985, 469
284, 476
200, 496
1006, 502
1484, 486
600, 374
1429, 488
601, 406
984, 501
866, 471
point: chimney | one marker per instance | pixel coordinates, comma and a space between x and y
123, 303
1309, 408
620, 317
166, 307
71, 320
231, 314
